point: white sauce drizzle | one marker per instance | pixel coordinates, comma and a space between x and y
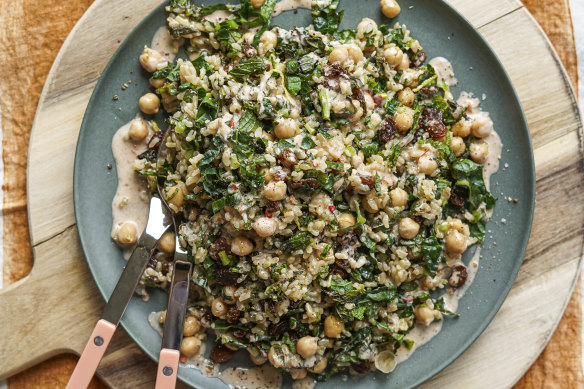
165, 44
444, 71
261, 377
219, 16
305, 383
130, 204
287, 5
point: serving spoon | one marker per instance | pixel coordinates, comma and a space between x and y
178, 298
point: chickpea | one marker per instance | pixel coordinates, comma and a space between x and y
175, 195
455, 242
339, 54
192, 326
408, 228
166, 243
149, 59
218, 307
274, 358
373, 203
162, 317
461, 128
355, 53
427, 165
286, 128
346, 219
404, 64
275, 190
456, 224
257, 359
248, 37
138, 130
365, 28
157, 82
127, 234
265, 227
298, 374
390, 8
478, 151
393, 56
241, 246
457, 145
149, 103
404, 119
190, 346
333, 326
399, 197
481, 126
319, 367
424, 315
306, 346
257, 3
406, 97
228, 293
269, 40
357, 159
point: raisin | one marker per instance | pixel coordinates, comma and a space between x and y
287, 159
431, 121
457, 198
232, 314
429, 91
343, 263
221, 353
458, 277
312, 182
368, 180
358, 95
386, 130
273, 207
248, 50
239, 333
420, 59
221, 244
270, 306
334, 70
277, 329
281, 175
361, 367
225, 276
336, 270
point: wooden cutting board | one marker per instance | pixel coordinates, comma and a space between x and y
60, 275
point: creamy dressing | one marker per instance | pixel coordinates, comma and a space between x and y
444, 71
261, 377
287, 5
154, 321
305, 383
130, 203
165, 44
219, 16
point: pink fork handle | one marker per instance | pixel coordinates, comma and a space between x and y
92, 354
167, 369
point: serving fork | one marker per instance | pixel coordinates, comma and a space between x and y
158, 223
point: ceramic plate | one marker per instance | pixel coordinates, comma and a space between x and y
442, 32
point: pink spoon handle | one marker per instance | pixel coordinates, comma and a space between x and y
167, 369
92, 354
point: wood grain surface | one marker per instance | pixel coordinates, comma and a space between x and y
29, 61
